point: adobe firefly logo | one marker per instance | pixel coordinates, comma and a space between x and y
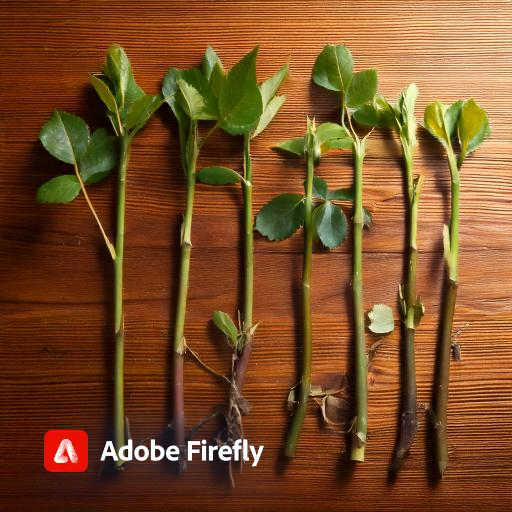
65, 451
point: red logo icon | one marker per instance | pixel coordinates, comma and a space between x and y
65, 451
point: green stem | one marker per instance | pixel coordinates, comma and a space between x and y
119, 418
179, 345
450, 298
243, 359
443, 376
408, 421
305, 383
454, 217
360, 426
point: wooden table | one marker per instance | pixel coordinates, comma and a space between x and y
56, 313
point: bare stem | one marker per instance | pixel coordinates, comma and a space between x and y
450, 298
305, 382
360, 426
119, 417
408, 419
179, 345
243, 359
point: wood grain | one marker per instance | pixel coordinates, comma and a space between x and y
55, 284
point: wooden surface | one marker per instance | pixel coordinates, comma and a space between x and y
55, 291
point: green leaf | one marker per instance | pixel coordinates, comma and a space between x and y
62, 189
268, 114
240, 103
281, 217
224, 323
100, 157
320, 190
65, 136
269, 87
377, 113
406, 104
190, 100
119, 71
210, 60
433, 121
341, 194
292, 147
217, 80
141, 110
337, 144
218, 176
329, 131
333, 136
441, 121
451, 117
473, 127
362, 88
333, 68
170, 92
330, 224
197, 98
381, 319
104, 93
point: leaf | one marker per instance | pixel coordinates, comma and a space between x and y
269, 87
377, 113
217, 80
292, 147
337, 144
473, 127
320, 190
433, 121
100, 157
141, 110
330, 224
362, 88
381, 317
191, 100
104, 93
65, 136
62, 189
268, 114
119, 71
441, 121
406, 104
170, 92
446, 245
218, 176
240, 103
333, 68
326, 132
333, 136
341, 194
196, 98
451, 117
281, 217
210, 60
224, 323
